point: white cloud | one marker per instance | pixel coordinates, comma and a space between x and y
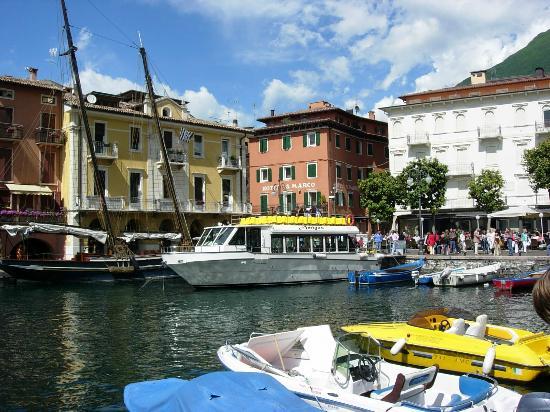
385, 102
291, 34
84, 38
92, 80
337, 70
240, 9
289, 94
354, 18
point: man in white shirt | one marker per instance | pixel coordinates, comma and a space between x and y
394, 239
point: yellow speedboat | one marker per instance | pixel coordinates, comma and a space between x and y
435, 337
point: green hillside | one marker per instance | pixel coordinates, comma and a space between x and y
523, 62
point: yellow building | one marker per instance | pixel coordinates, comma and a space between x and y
209, 170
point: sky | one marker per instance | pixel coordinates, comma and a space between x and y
238, 59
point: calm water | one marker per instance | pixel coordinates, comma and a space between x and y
76, 347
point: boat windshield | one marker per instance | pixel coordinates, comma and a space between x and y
207, 239
426, 319
223, 235
350, 348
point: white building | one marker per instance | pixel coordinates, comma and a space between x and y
486, 125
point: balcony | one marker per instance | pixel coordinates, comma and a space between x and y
460, 203
45, 136
489, 132
460, 169
228, 163
113, 202
11, 132
106, 151
39, 216
418, 139
176, 158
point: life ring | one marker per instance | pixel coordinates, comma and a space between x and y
350, 220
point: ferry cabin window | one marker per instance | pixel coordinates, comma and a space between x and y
276, 244
290, 244
209, 241
342, 241
352, 244
330, 243
317, 243
238, 238
224, 234
304, 243
203, 237
253, 239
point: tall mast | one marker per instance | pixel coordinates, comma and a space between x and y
97, 181
182, 226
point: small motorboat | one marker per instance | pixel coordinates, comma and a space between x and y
216, 391
345, 375
427, 278
457, 345
399, 273
523, 281
475, 276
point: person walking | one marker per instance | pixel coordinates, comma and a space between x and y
477, 240
524, 240
498, 242
462, 239
509, 238
377, 238
452, 240
430, 241
490, 240
394, 239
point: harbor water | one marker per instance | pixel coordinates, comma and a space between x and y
75, 347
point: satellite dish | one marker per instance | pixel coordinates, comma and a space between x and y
91, 98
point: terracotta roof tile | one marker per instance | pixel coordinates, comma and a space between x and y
45, 84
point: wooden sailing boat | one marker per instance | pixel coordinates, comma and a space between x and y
121, 264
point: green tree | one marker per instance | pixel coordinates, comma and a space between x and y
432, 194
486, 190
379, 194
537, 165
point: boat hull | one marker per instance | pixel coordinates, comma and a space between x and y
375, 278
514, 284
522, 361
83, 271
234, 269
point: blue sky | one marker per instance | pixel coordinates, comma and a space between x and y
241, 58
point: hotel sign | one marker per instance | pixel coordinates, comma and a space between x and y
289, 186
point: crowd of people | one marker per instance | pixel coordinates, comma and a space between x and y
455, 241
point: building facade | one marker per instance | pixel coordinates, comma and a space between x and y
314, 158
31, 144
486, 125
209, 169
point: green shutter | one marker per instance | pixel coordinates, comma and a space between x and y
293, 172
258, 175
305, 139
293, 201
317, 138
269, 174
281, 173
318, 199
306, 199
312, 170
281, 204
263, 203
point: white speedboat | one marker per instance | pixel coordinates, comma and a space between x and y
427, 278
344, 374
272, 250
475, 276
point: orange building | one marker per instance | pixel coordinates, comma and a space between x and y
312, 159
31, 147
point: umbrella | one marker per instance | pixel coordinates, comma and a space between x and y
516, 211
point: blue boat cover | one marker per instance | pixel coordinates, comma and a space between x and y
216, 391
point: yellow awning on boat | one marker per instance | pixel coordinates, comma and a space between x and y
29, 189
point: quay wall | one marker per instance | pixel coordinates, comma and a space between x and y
511, 264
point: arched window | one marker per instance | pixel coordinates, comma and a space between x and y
397, 129
419, 127
166, 112
439, 123
521, 119
489, 119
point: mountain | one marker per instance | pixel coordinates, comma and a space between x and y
523, 62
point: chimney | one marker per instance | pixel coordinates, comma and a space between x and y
32, 72
539, 72
147, 106
235, 123
372, 116
272, 112
478, 77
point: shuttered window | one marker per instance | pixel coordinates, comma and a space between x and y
287, 144
263, 145
312, 139
312, 170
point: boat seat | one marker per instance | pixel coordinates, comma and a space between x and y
408, 385
458, 327
477, 329
319, 344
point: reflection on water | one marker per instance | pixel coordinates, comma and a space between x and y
76, 347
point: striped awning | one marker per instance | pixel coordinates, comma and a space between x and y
29, 189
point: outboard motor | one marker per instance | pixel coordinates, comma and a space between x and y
534, 401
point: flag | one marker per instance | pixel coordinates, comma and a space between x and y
185, 135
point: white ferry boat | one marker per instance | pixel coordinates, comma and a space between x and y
269, 250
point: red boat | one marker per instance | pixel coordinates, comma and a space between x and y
524, 281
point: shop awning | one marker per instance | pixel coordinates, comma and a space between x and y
29, 189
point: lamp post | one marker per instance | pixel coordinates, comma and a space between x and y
377, 224
477, 220
541, 225
410, 183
